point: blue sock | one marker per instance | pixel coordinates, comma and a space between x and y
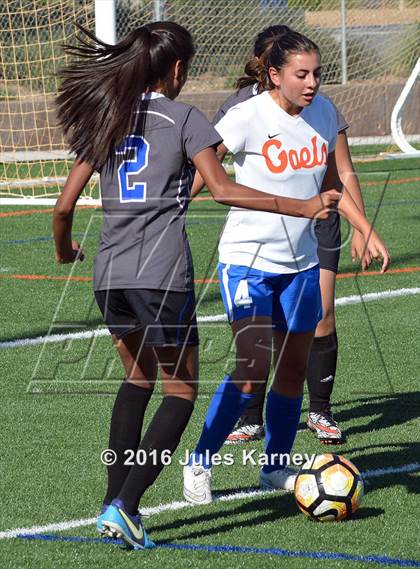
282, 416
224, 410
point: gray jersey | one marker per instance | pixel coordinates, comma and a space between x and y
145, 195
247, 92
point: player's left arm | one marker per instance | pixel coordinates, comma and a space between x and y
347, 207
66, 250
350, 181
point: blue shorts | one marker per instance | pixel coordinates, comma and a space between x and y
292, 300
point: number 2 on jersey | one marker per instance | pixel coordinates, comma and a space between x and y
139, 148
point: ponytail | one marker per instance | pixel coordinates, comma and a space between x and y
101, 91
255, 69
255, 73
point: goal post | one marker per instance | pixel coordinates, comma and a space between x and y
397, 113
105, 22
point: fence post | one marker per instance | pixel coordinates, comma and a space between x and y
105, 27
343, 42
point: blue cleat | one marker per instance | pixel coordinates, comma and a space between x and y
118, 523
99, 525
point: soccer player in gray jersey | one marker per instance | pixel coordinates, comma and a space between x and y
116, 103
323, 357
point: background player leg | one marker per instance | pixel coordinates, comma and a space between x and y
322, 366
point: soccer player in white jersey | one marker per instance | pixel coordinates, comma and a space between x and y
282, 140
116, 103
322, 361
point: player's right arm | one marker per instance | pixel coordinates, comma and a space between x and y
198, 182
66, 250
227, 192
221, 150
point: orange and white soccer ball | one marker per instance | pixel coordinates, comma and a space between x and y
328, 488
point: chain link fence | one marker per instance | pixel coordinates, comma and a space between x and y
382, 36
364, 75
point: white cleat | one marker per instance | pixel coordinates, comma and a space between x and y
197, 485
282, 479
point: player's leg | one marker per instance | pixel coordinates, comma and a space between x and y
297, 310
283, 407
323, 359
171, 331
244, 294
250, 425
322, 367
134, 394
179, 371
128, 412
253, 358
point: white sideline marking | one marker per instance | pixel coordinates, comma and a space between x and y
172, 506
377, 472
356, 299
52, 338
343, 301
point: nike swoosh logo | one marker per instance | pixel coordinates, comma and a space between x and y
327, 379
273, 135
137, 532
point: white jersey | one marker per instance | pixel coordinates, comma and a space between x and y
284, 156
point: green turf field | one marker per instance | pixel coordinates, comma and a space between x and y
56, 401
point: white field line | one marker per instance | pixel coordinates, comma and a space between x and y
343, 301
172, 506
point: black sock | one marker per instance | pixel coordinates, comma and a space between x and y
125, 432
253, 414
321, 370
164, 433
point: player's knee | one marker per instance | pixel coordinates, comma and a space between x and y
289, 385
181, 387
141, 381
252, 371
247, 386
292, 372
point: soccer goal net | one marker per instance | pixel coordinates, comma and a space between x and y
369, 49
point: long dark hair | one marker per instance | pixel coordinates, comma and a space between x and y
255, 71
101, 90
275, 54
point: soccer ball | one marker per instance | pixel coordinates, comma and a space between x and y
328, 488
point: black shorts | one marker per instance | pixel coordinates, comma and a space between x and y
166, 318
329, 242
